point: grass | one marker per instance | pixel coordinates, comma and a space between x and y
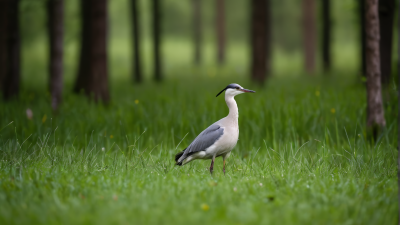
302, 156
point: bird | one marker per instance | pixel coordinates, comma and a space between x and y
218, 139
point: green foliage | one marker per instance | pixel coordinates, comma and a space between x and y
302, 156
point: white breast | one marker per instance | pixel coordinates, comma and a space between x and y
227, 141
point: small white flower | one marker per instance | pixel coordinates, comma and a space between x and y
103, 149
260, 184
234, 189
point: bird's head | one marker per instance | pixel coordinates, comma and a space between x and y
234, 89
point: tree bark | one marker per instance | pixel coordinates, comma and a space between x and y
55, 12
220, 30
363, 38
386, 17
375, 114
83, 78
137, 66
10, 48
260, 40
93, 74
197, 30
157, 39
326, 34
309, 34
4, 7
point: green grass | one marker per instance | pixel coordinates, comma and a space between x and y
302, 156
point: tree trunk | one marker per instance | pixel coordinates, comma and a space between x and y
137, 67
309, 34
55, 12
375, 114
10, 48
197, 30
386, 17
363, 38
220, 29
157, 39
93, 74
326, 34
83, 78
260, 40
4, 7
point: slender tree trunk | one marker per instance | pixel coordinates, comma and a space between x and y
10, 48
326, 34
260, 40
375, 114
220, 29
137, 67
157, 39
309, 34
93, 70
197, 30
4, 7
363, 38
12, 81
268, 38
386, 17
83, 78
55, 12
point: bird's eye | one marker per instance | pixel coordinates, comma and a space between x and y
237, 88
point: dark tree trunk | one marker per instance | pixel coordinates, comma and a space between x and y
93, 71
220, 29
137, 67
386, 17
4, 7
157, 39
363, 38
197, 30
326, 34
375, 114
309, 34
10, 48
55, 12
82, 78
260, 40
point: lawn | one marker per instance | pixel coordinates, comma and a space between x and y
302, 155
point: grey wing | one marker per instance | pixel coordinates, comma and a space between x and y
205, 139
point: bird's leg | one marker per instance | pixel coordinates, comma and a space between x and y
224, 167
212, 165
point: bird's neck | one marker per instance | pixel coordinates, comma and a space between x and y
233, 109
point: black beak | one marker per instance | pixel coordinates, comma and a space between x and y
244, 90
247, 90
220, 92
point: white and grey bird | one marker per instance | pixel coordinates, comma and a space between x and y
218, 139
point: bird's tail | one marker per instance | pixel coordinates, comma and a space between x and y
177, 156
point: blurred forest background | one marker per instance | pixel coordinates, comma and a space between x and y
92, 46
177, 42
